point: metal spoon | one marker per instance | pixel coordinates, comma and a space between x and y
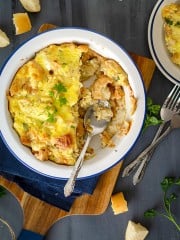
96, 127
175, 123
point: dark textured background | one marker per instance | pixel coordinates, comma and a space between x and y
126, 23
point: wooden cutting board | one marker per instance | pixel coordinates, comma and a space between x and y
39, 216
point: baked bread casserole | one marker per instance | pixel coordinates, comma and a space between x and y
171, 17
49, 96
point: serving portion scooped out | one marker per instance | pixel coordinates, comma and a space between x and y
51, 92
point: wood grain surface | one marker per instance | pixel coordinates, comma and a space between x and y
39, 216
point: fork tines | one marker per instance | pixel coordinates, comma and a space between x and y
173, 100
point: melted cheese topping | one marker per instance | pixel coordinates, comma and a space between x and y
42, 101
48, 100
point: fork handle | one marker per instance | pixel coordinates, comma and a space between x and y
132, 166
143, 164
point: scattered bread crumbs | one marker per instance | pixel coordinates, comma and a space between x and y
119, 204
4, 40
22, 23
46, 26
135, 231
31, 5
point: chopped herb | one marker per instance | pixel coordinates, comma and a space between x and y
62, 101
51, 115
48, 108
177, 24
152, 114
72, 126
168, 21
51, 93
25, 126
166, 184
57, 93
59, 87
117, 78
2, 191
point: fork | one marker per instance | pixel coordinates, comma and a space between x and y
168, 109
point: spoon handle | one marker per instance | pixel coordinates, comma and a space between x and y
69, 186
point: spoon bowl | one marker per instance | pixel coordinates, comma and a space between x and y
93, 126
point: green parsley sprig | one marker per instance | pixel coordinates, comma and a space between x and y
166, 184
57, 94
2, 191
60, 88
152, 114
172, 23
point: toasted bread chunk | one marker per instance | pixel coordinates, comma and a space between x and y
31, 5
119, 204
135, 231
46, 26
4, 40
22, 23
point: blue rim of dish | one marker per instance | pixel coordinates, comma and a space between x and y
140, 130
151, 45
